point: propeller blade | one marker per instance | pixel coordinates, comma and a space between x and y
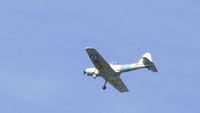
84, 72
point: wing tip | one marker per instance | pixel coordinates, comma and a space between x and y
89, 48
124, 91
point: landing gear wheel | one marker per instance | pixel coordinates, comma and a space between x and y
104, 87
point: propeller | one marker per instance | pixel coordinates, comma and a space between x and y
84, 72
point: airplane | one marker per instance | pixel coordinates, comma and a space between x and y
111, 71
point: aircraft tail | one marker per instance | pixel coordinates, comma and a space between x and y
147, 61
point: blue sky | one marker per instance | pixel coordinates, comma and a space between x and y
42, 55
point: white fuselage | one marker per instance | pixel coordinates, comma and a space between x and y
127, 67
116, 67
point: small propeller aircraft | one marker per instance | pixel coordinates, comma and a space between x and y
111, 72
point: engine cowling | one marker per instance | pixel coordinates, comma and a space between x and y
91, 71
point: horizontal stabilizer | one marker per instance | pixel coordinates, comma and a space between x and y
150, 65
147, 60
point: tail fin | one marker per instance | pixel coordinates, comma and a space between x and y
147, 60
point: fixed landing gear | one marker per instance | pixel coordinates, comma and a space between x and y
104, 86
94, 76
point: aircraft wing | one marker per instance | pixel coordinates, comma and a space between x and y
99, 61
108, 73
117, 83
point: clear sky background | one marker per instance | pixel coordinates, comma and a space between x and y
42, 55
